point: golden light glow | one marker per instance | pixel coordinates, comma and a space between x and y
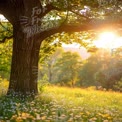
108, 40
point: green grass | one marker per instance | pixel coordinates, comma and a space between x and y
62, 104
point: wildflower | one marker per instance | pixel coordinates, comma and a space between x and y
71, 114
92, 119
81, 113
38, 117
105, 115
63, 115
78, 116
13, 117
88, 113
19, 119
24, 114
47, 121
105, 121
70, 120
53, 113
49, 118
43, 117
99, 114
109, 118
7, 120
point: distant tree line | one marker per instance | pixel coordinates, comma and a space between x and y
101, 69
62, 68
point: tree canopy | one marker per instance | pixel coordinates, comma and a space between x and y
66, 15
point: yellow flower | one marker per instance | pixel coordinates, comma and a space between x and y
19, 119
99, 114
81, 113
88, 113
24, 114
105, 115
43, 117
109, 118
70, 120
93, 119
13, 117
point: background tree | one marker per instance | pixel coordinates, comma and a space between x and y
111, 73
67, 68
48, 67
93, 64
101, 68
35, 20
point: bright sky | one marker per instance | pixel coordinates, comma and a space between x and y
108, 40
74, 45
2, 18
105, 40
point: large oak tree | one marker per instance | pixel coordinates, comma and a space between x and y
35, 20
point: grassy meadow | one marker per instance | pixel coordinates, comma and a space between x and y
62, 104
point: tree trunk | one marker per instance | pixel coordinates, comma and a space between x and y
24, 69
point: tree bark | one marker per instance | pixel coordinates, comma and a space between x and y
24, 68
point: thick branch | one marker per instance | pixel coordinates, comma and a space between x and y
79, 28
6, 38
63, 28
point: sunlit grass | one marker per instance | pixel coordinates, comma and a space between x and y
62, 104
91, 98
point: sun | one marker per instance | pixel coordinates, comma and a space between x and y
108, 40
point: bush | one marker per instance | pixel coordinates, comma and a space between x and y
118, 85
43, 83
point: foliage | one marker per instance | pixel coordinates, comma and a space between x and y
111, 73
5, 49
67, 68
52, 43
97, 10
4, 85
118, 85
43, 83
48, 47
64, 104
47, 67
101, 69
90, 66
5, 59
6, 29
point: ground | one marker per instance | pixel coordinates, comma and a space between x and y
62, 104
